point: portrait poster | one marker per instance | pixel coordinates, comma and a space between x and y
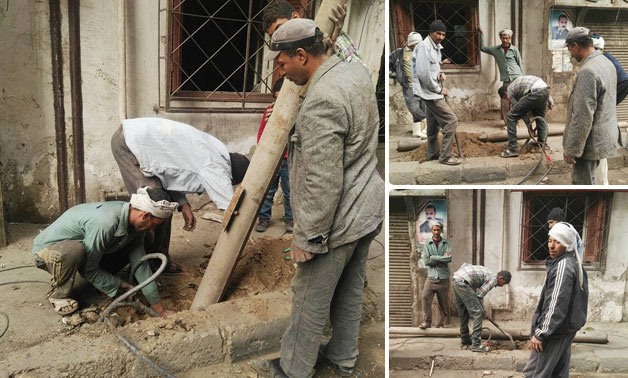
433, 209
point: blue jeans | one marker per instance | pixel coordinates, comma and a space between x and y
267, 206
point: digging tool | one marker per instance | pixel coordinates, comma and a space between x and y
504, 332
456, 133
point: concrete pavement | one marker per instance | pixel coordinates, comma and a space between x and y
416, 354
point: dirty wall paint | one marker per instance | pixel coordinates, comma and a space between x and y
27, 152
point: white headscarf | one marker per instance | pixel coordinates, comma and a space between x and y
413, 38
508, 32
567, 236
161, 209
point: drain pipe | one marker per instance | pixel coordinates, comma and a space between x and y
242, 211
57, 91
122, 106
76, 93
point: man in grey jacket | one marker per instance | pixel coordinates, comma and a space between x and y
428, 86
562, 307
337, 197
591, 132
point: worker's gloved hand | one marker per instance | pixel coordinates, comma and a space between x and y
188, 217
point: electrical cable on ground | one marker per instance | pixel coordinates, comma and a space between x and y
383, 250
407, 341
7, 326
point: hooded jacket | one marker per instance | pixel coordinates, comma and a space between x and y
562, 308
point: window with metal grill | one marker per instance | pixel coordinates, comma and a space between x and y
588, 212
461, 44
215, 54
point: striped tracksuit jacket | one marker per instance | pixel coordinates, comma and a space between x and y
562, 308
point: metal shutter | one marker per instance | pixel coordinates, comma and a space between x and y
613, 26
400, 281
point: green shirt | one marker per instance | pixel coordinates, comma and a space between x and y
435, 259
509, 64
407, 64
103, 228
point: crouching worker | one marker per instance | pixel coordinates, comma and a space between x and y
471, 284
97, 240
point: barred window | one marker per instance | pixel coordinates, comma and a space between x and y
461, 44
588, 212
215, 54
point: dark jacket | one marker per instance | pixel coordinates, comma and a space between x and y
395, 65
562, 308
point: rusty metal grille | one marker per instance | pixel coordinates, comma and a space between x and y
587, 212
216, 50
461, 44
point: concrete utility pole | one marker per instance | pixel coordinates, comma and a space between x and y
242, 212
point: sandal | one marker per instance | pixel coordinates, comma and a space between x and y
509, 153
450, 161
64, 306
173, 268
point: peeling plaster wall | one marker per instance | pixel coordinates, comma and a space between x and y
27, 152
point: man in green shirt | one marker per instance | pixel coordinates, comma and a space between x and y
436, 256
97, 240
508, 61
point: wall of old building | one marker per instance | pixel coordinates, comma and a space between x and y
28, 154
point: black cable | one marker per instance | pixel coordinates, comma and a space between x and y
383, 249
7, 326
17, 267
27, 281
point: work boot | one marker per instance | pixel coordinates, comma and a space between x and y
418, 129
268, 368
466, 341
424, 325
342, 371
479, 348
289, 226
262, 225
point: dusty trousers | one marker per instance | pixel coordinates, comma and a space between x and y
553, 361
468, 305
439, 287
328, 286
440, 116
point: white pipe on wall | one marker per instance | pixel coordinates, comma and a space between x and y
122, 106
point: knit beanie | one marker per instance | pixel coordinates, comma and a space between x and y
557, 214
437, 26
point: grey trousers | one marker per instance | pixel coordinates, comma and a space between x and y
134, 178
438, 287
329, 285
440, 116
535, 102
414, 104
553, 361
468, 305
584, 172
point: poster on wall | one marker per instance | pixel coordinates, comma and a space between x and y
431, 210
560, 23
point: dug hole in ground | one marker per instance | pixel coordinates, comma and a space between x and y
247, 325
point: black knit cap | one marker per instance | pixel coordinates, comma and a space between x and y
437, 26
557, 214
239, 165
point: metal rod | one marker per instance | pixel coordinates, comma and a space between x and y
57, 91
76, 93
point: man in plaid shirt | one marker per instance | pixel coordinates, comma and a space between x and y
527, 94
471, 284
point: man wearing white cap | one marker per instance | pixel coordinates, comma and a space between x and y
400, 61
508, 60
337, 198
97, 240
591, 131
562, 307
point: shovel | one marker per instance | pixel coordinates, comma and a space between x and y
504, 332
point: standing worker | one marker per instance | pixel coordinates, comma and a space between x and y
429, 89
562, 307
282, 176
508, 60
591, 132
400, 61
337, 198
471, 284
436, 256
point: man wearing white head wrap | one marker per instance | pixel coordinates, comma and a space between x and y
436, 256
562, 307
97, 240
508, 60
